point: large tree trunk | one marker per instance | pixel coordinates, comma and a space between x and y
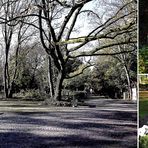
58, 89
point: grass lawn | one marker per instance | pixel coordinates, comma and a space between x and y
143, 103
143, 112
143, 107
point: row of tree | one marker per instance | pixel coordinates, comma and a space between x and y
110, 76
48, 33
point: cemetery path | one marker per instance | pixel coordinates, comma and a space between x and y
111, 124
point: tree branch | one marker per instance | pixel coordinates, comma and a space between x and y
73, 23
67, 18
79, 73
95, 51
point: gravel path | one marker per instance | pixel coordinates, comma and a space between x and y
100, 127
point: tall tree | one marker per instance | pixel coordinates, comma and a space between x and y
127, 61
59, 50
13, 31
8, 11
59, 19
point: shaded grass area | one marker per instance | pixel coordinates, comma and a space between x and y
143, 94
143, 103
18, 103
143, 107
143, 112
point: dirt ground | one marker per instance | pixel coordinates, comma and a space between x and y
101, 124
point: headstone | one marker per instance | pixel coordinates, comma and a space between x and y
143, 130
134, 94
125, 96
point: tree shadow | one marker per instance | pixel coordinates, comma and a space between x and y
112, 103
27, 140
82, 115
87, 127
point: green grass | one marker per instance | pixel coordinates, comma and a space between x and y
143, 103
143, 107
143, 142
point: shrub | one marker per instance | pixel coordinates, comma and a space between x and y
35, 95
143, 86
143, 59
80, 95
50, 102
70, 95
143, 142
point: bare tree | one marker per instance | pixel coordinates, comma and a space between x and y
57, 21
8, 11
14, 31
126, 60
59, 38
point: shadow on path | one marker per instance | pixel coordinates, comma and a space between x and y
69, 128
98, 127
26, 140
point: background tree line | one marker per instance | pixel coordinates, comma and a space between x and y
143, 37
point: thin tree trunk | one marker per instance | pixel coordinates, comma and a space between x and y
7, 88
15, 73
6, 76
5, 81
129, 82
50, 77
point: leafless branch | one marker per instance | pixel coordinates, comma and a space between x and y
95, 51
81, 72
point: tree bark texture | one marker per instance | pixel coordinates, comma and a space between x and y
128, 82
50, 77
58, 88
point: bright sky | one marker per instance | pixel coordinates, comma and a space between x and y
84, 23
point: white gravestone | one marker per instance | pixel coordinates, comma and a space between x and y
143, 130
134, 94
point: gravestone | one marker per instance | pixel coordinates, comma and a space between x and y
134, 94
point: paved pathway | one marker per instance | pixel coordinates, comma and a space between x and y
108, 126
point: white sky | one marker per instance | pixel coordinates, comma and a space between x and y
83, 24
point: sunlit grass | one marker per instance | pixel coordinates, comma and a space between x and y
143, 94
